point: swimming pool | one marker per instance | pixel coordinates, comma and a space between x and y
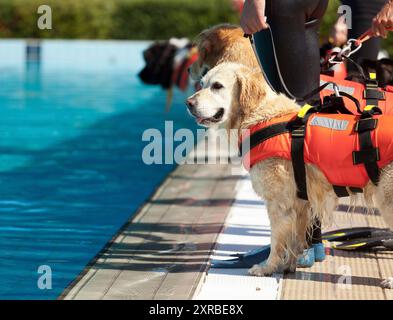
71, 172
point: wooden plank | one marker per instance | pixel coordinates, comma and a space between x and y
326, 280
162, 253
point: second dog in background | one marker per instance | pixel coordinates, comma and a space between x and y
222, 43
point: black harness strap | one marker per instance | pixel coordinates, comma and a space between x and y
372, 93
356, 190
367, 124
340, 191
298, 134
262, 135
333, 104
299, 167
368, 154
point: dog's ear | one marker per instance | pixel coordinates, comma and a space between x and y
251, 89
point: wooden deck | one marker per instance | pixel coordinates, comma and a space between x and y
328, 281
163, 252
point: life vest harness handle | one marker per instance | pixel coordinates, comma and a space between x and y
337, 105
338, 94
336, 89
354, 100
340, 107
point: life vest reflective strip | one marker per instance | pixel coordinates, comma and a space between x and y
331, 142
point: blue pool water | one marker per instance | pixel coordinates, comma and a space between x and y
71, 172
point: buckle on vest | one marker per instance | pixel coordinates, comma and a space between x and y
372, 83
364, 125
373, 76
304, 111
374, 94
365, 156
299, 132
369, 111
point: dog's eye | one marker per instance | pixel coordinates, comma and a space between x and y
217, 86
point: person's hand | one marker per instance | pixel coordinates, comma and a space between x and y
339, 33
383, 21
253, 16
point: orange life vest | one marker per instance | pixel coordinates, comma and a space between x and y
331, 142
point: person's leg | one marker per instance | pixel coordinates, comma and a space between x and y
294, 25
363, 13
296, 41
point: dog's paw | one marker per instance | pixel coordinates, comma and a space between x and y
387, 283
259, 271
289, 269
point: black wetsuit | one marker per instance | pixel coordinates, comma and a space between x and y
295, 25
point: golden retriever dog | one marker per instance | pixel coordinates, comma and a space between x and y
222, 43
237, 97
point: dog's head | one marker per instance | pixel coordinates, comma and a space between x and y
222, 43
384, 71
383, 68
229, 92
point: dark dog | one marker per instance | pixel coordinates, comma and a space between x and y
383, 68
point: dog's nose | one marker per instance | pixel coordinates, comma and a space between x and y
190, 103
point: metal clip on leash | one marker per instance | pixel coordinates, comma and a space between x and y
336, 89
352, 46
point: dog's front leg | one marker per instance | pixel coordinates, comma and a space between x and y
282, 228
